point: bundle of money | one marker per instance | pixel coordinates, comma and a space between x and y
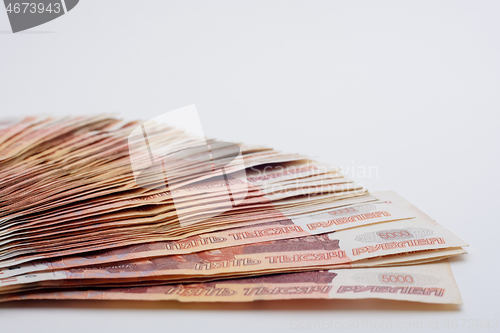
95, 207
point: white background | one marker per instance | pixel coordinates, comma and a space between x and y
409, 88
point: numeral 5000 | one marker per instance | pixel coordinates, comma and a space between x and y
397, 278
388, 235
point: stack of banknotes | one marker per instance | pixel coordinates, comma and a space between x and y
95, 207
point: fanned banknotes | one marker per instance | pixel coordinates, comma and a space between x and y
88, 211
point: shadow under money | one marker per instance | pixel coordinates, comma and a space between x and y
278, 305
